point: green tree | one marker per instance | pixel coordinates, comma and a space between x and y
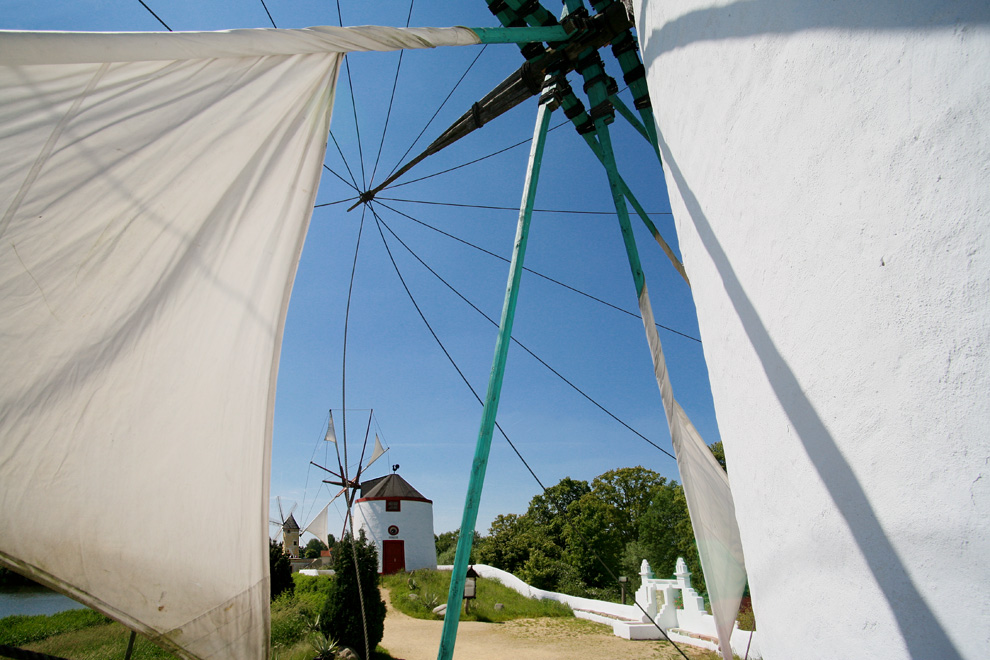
719, 453
593, 540
341, 617
548, 511
280, 569
508, 544
629, 492
446, 544
314, 548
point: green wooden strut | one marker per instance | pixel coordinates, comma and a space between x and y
473, 498
520, 35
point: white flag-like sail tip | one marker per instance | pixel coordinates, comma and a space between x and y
318, 527
377, 453
331, 434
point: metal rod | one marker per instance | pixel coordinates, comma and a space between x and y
130, 646
483, 446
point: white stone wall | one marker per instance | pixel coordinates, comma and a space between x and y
829, 171
415, 523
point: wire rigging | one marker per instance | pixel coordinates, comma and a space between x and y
343, 399
327, 168
476, 160
529, 270
350, 86
611, 573
339, 151
520, 344
443, 348
157, 17
508, 208
451, 93
388, 114
269, 14
339, 201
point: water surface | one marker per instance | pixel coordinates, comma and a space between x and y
32, 600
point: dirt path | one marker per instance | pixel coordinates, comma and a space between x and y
407, 638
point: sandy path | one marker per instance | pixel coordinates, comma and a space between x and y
407, 638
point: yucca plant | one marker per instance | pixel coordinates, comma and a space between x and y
326, 648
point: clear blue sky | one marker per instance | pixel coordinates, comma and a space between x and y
422, 409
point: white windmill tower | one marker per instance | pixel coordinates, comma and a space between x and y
399, 520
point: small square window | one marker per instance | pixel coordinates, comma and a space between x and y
393, 505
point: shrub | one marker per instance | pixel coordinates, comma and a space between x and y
290, 621
280, 569
312, 591
341, 616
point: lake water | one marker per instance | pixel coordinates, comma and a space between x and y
34, 600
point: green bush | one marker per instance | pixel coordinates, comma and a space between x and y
280, 569
312, 592
19, 630
341, 616
290, 620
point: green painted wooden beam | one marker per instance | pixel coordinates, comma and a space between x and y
520, 35
640, 211
629, 116
483, 446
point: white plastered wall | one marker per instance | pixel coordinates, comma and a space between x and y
828, 168
415, 523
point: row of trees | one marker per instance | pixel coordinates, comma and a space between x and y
577, 537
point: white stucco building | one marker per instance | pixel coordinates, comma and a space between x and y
829, 177
399, 520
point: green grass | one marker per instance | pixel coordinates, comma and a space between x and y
18, 630
96, 642
417, 593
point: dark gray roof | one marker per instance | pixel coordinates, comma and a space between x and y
390, 486
290, 524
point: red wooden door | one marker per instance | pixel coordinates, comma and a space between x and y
393, 556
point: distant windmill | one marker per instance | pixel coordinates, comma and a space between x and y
288, 529
349, 485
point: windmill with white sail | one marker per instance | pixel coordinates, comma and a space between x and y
288, 529
349, 484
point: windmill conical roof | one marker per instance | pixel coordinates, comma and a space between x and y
390, 486
290, 524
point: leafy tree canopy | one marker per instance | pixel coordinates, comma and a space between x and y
314, 548
575, 537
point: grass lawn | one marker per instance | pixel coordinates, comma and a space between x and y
76, 634
417, 593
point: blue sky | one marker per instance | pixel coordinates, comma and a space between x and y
422, 410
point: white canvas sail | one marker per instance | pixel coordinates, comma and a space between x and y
709, 499
318, 526
377, 453
155, 191
331, 435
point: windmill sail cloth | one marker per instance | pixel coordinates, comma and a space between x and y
331, 434
318, 527
155, 190
376, 453
706, 488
